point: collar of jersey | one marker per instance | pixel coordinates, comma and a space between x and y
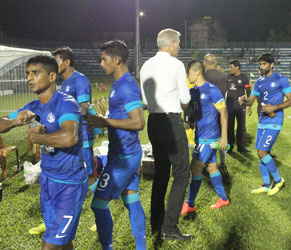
120, 79
51, 100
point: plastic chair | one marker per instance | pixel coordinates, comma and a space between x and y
4, 150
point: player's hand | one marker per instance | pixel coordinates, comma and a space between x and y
223, 143
24, 117
95, 121
241, 100
268, 108
33, 132
249, 111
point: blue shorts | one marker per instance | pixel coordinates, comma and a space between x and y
204, 153
61, 206
266, 139
120, 174
89, 160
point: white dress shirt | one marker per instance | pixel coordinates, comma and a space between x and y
164, 84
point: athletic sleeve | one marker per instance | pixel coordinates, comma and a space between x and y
182, 83
68, 110
256, 90
217, 98
131, 96
83, 89
30, 106
285, 84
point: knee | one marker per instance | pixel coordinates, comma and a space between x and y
261, 154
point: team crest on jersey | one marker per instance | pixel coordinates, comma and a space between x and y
273, 84
203, 96
112, 93
51, 118
67, 88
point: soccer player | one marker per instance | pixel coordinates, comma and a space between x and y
271, 88
78, 86
237, 85
63, 180
207, 102
121, 175
217, 78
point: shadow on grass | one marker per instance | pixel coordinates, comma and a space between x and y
190, 216
233, 240
22, 189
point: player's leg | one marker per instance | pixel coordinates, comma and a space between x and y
131, 200
196, 180
241, 130
61, 205
216, 180
265, 142
230, 129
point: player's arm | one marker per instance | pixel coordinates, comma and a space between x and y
248, 89
23, 118
134, 122
66, 137
243, 100
271, 108
83, 107
221, 108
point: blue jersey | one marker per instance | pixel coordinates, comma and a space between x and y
78, 86
124, 97
64, 164
206, 99
272, 90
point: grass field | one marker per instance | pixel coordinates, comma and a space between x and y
249, 222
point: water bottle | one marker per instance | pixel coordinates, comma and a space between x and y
90, 110
0, 191
44, 149
270, 114
216, 145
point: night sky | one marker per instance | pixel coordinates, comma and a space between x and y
80, 20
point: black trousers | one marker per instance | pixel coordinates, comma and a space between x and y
238, 113
170, 147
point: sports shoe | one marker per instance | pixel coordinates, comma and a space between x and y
38, 230
187, 209
93, 228
260, 190
220, 203
277, 187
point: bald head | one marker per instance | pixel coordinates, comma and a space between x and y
210, 62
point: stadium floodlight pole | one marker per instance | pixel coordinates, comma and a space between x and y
137, 38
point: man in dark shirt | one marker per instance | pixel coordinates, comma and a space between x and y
237, 85
217, 78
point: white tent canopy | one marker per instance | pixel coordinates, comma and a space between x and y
12, 57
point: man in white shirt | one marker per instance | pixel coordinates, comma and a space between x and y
165, 92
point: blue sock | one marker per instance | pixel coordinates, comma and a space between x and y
137, 219
194, 189
103, 221
216, 181
265, 175
270, 164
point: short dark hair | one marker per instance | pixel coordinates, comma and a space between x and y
266, 57
48, 62
197, 65
235, 63
116, 48
65, 53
